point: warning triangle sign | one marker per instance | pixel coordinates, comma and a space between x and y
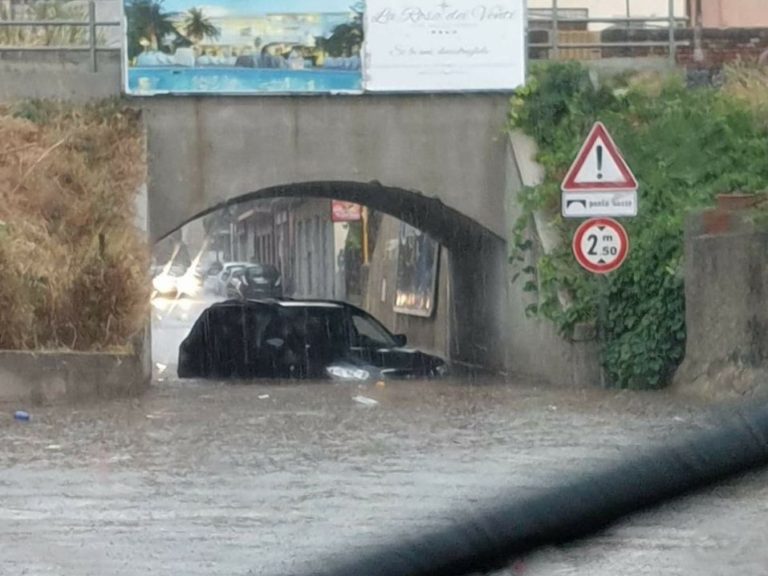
599, 167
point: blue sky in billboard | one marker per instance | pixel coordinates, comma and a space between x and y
243, 46
221, 8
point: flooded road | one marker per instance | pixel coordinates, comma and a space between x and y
172, 319
213, 479
221, 479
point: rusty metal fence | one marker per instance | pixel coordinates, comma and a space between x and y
39, 39
568, 34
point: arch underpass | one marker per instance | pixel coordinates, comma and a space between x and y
476, 264
437, 163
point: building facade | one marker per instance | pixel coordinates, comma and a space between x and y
298, 237
730, 13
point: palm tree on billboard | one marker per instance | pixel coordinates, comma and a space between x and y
147, 20
198, 26
346, 37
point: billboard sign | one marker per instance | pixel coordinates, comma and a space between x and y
417, 259
345, 211
322, 46
438, 46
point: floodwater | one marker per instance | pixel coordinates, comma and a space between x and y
223, 479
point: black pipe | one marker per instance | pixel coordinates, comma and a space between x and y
576, 510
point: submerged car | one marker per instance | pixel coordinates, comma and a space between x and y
220, 286
255, 281
246, 339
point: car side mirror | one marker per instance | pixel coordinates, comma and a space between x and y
401, 340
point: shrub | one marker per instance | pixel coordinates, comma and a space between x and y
685, 146
73, 265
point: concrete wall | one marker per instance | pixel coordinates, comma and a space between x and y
428, 334
60, 377
726, 292
208, 150
469, 325
534, 346
65, 76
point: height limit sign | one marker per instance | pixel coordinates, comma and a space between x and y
601, 245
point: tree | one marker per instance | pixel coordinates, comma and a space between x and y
198, 26
147, 19
347, 36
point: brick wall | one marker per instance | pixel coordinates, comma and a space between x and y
720, 46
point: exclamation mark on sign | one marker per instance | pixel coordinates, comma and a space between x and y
599, 161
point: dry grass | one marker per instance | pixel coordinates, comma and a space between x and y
73, 267
748, 83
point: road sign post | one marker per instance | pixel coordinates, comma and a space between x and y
599, 182
601, 245
600, 185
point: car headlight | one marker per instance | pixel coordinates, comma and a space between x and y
188, 284
278, 282
344, 373
164, 283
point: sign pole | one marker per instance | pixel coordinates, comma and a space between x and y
602, 319
600, 185
365, 234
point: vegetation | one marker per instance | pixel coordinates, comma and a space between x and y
149, 22
198, 26
685, 146
346, 38
74, 264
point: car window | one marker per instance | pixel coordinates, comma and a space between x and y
367, 332
233, 272
316, 325
235, 337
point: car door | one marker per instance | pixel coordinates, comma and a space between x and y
369, 340
233, 289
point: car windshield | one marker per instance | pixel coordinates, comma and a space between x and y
383, 287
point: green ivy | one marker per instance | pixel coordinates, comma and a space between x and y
685, 146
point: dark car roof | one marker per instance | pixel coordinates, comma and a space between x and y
278, 303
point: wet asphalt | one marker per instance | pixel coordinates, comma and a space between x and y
201, 478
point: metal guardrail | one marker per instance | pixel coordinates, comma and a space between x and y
554, 45
671, 20
91, 23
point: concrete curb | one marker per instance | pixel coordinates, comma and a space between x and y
62, 377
